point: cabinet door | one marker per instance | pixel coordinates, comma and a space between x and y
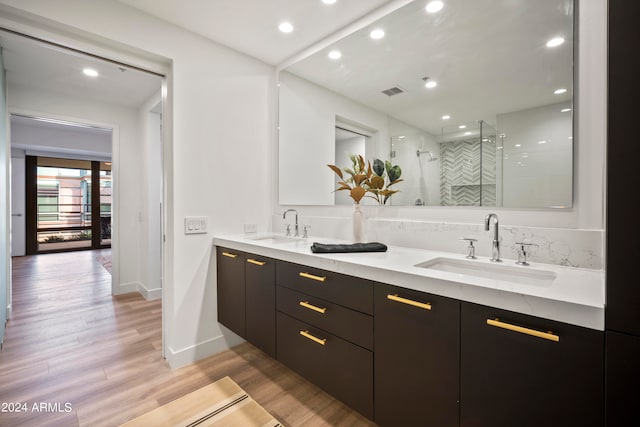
623, 377
510, 377
623, 233
231, 290
417, 356
261, 303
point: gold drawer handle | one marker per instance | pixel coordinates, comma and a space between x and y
227, 254
545, 335
395, 297
312, 277
256, 262
320, 341
306, 304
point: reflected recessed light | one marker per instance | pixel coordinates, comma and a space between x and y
559, 91
329, 1
335, 54
542, 142
557, 41
90, 72
430, 84
462, 126
518, 145
524, 155
446, 117
285, 27
565, 110
467, 133
434, 6
376, 34
400, 136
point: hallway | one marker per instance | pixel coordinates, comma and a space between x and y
73, 347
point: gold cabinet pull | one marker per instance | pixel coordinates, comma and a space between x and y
545, 335
312, 276
306, 304
255, 261
306, 334
230, 255
396, 298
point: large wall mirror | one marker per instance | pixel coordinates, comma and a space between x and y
473, 100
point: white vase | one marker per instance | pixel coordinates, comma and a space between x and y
358, 224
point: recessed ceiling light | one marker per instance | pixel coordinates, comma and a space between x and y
401, 137
430, 84
90, 72
467, 133
335, 54
518, 145
285, 27
557, 41
376, 34
462, 127
434, 6
329, 1
446, 117
565, 110
560, 91
542, 142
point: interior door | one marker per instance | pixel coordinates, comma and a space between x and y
18, 235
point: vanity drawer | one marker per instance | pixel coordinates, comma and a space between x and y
343, 322
349, 291
342, 369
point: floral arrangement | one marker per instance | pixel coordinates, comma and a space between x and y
361, 179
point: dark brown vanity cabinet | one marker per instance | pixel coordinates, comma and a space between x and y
417, 358
231, 290
246, 297
325, 331
260, 305
519, 370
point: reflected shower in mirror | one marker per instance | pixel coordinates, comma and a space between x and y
473, 102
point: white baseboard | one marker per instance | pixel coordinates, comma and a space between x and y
188, 355
148, 294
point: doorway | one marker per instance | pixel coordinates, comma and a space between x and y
47, 82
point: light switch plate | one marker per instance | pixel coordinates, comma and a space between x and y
195, 225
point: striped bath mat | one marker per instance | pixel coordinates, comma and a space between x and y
222, 403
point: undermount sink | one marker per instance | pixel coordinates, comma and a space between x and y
273, 238
504, 273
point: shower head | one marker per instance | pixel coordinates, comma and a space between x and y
431, 158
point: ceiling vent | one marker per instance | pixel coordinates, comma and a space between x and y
393, 91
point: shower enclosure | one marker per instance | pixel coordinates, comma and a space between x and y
469, 164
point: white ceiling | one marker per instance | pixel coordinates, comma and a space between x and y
251, 26
39, 66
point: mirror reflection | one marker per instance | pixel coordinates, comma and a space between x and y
473, 101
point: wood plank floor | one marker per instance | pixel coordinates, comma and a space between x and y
76, 356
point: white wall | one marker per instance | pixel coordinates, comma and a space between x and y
5, 159
211, 168
537, 164
151, 229
126, 157
304, 178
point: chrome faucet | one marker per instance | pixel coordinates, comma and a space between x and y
297, 234
495, 249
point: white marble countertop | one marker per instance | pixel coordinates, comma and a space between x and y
575, 296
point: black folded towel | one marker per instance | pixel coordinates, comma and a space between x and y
326, 248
